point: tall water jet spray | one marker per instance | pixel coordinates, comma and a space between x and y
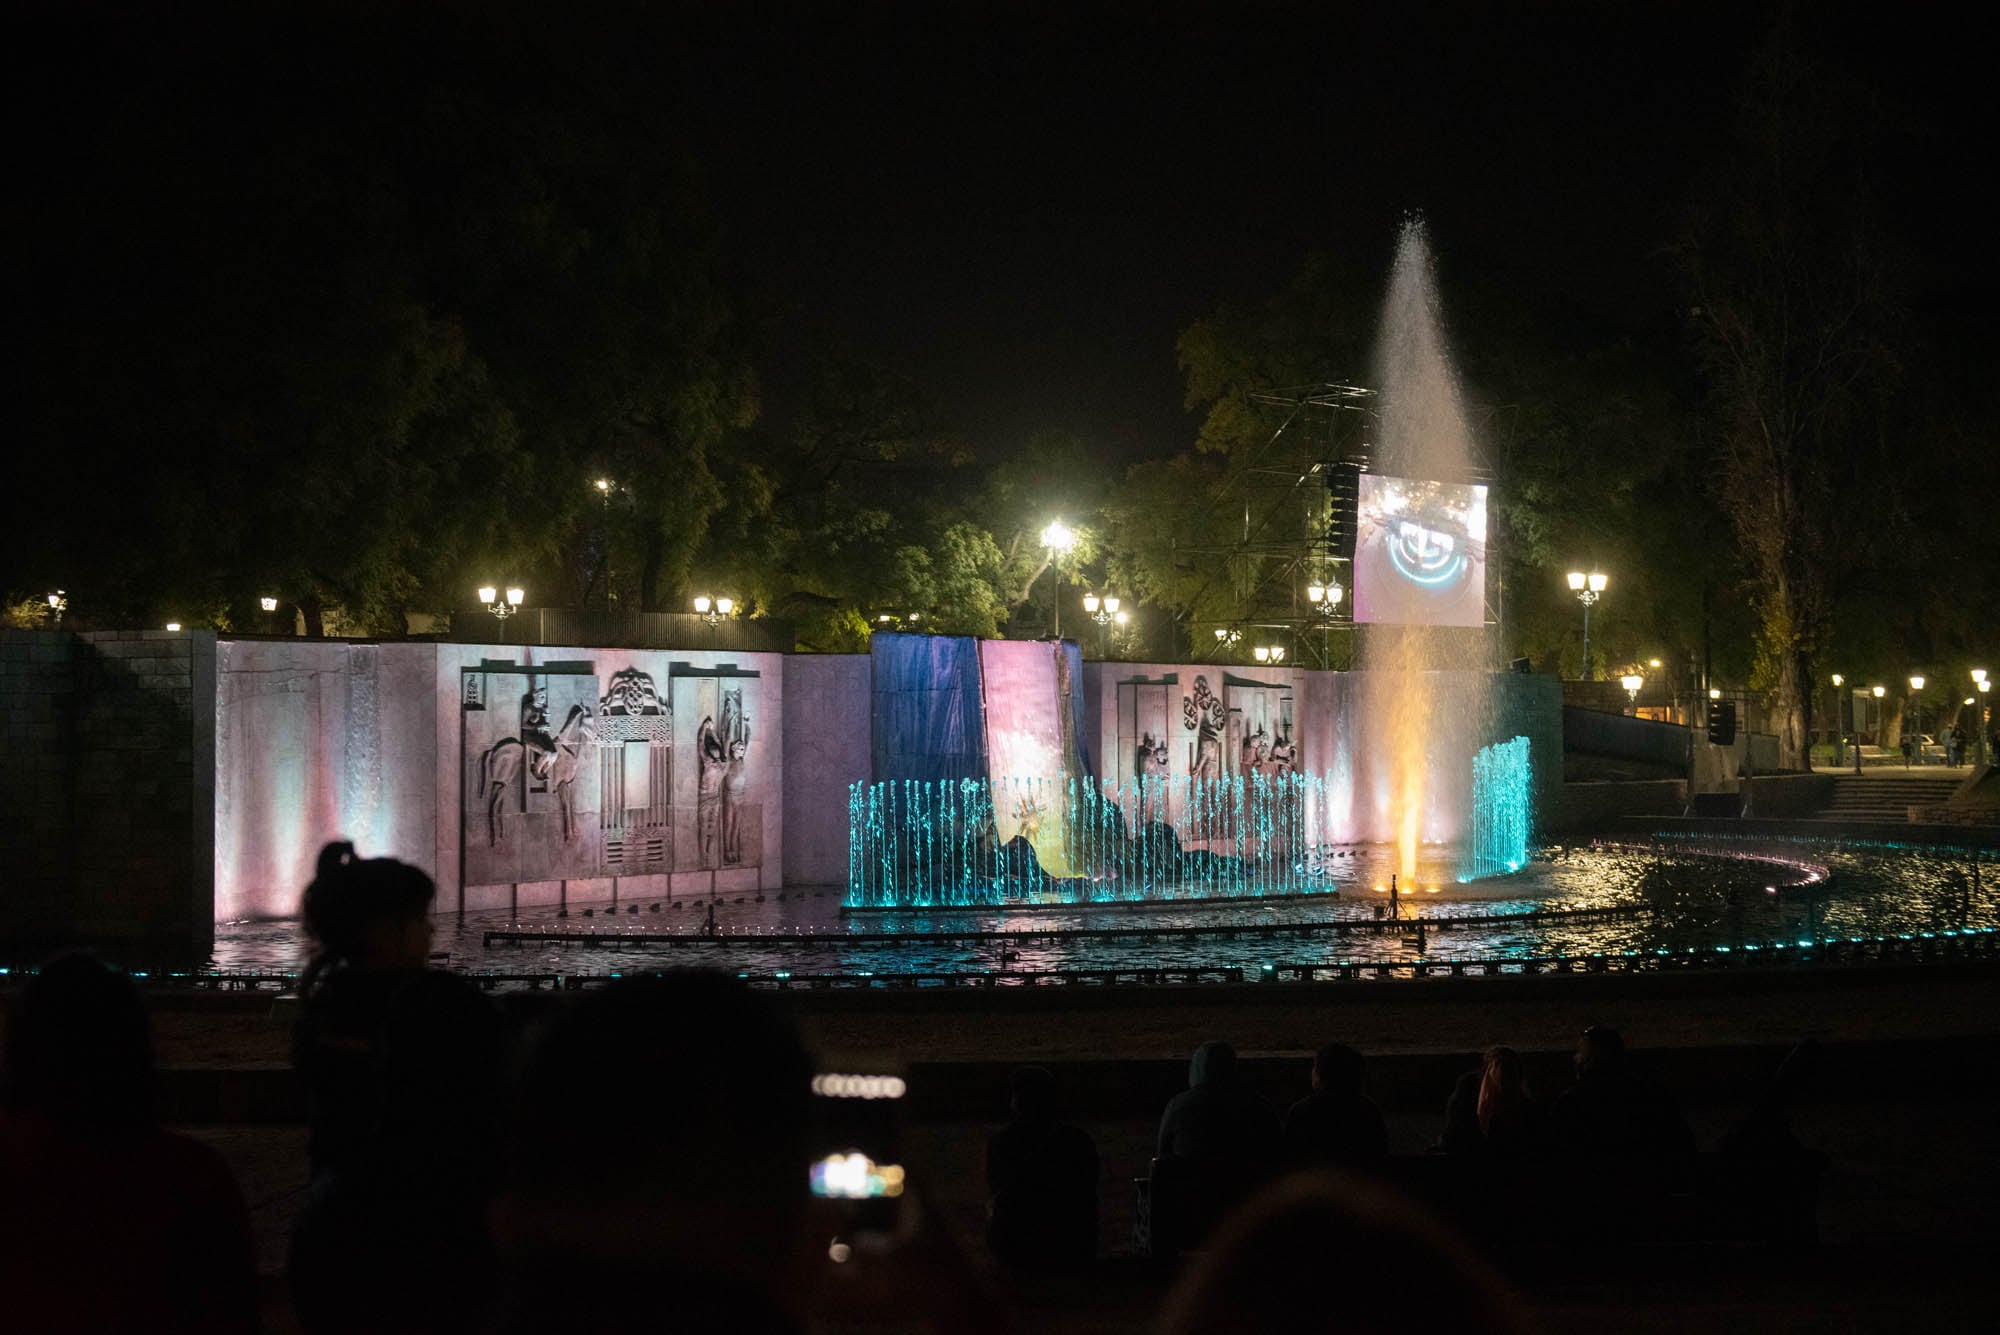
1423, 728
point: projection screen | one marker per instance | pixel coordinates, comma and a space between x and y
1420, 553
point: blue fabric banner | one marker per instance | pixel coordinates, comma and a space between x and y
926, 720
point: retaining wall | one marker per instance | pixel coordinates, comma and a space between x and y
107, 785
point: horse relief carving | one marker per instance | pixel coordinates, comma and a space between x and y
549, 760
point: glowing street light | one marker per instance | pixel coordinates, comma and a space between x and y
502, 608
713, 610
1839, 732
173, 625
1588, 589
1325, 598
1632, 681
268, 604
1983, 717
1058, 538
1103, 610
58, 604
1916, 741
1269, 653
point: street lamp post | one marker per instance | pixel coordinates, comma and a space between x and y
1632, 681
1325, 600
1836, 728
1269, 653
1103, 611
270, 606
1057, 538
502, 608
1985, 714
1917, 733
713, 610
1588, 589
1875, 693
58, 604
605, 486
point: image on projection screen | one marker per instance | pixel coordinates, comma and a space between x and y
1420, 553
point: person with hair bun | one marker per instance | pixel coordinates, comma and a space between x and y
403, 1069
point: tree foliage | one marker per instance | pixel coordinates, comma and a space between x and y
367, 346
1793, 298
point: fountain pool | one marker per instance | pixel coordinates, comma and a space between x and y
1650, 903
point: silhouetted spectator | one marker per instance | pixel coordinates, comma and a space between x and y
1041, 1180
1216, 1116
1767, 1129
1491, 1110
1217, 1141
1270, 1269
404, 1078
108, 1223
1609, 1111
657, 1164
1336, 1124
1772, 1180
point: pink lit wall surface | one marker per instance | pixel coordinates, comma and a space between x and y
675, 774
317, 740
1212, 714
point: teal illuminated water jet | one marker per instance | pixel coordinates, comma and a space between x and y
1502, 810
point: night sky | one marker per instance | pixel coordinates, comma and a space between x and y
1020, 206
1023, 205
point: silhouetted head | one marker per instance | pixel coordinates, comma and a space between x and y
1601, 1051
1265, 1270
1337, 1068
1034, 1093
368, 913
1213, 1063
1503, 1084
660, 1129
79, 1049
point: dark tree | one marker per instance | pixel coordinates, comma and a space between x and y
1793, 301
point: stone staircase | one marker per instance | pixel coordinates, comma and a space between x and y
1867, 799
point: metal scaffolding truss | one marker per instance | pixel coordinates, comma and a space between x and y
1292, 491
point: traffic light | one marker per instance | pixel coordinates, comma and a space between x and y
1722, 722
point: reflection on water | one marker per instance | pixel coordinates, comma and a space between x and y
1673, 895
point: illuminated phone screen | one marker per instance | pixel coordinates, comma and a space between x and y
857, 1121
855, 1177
